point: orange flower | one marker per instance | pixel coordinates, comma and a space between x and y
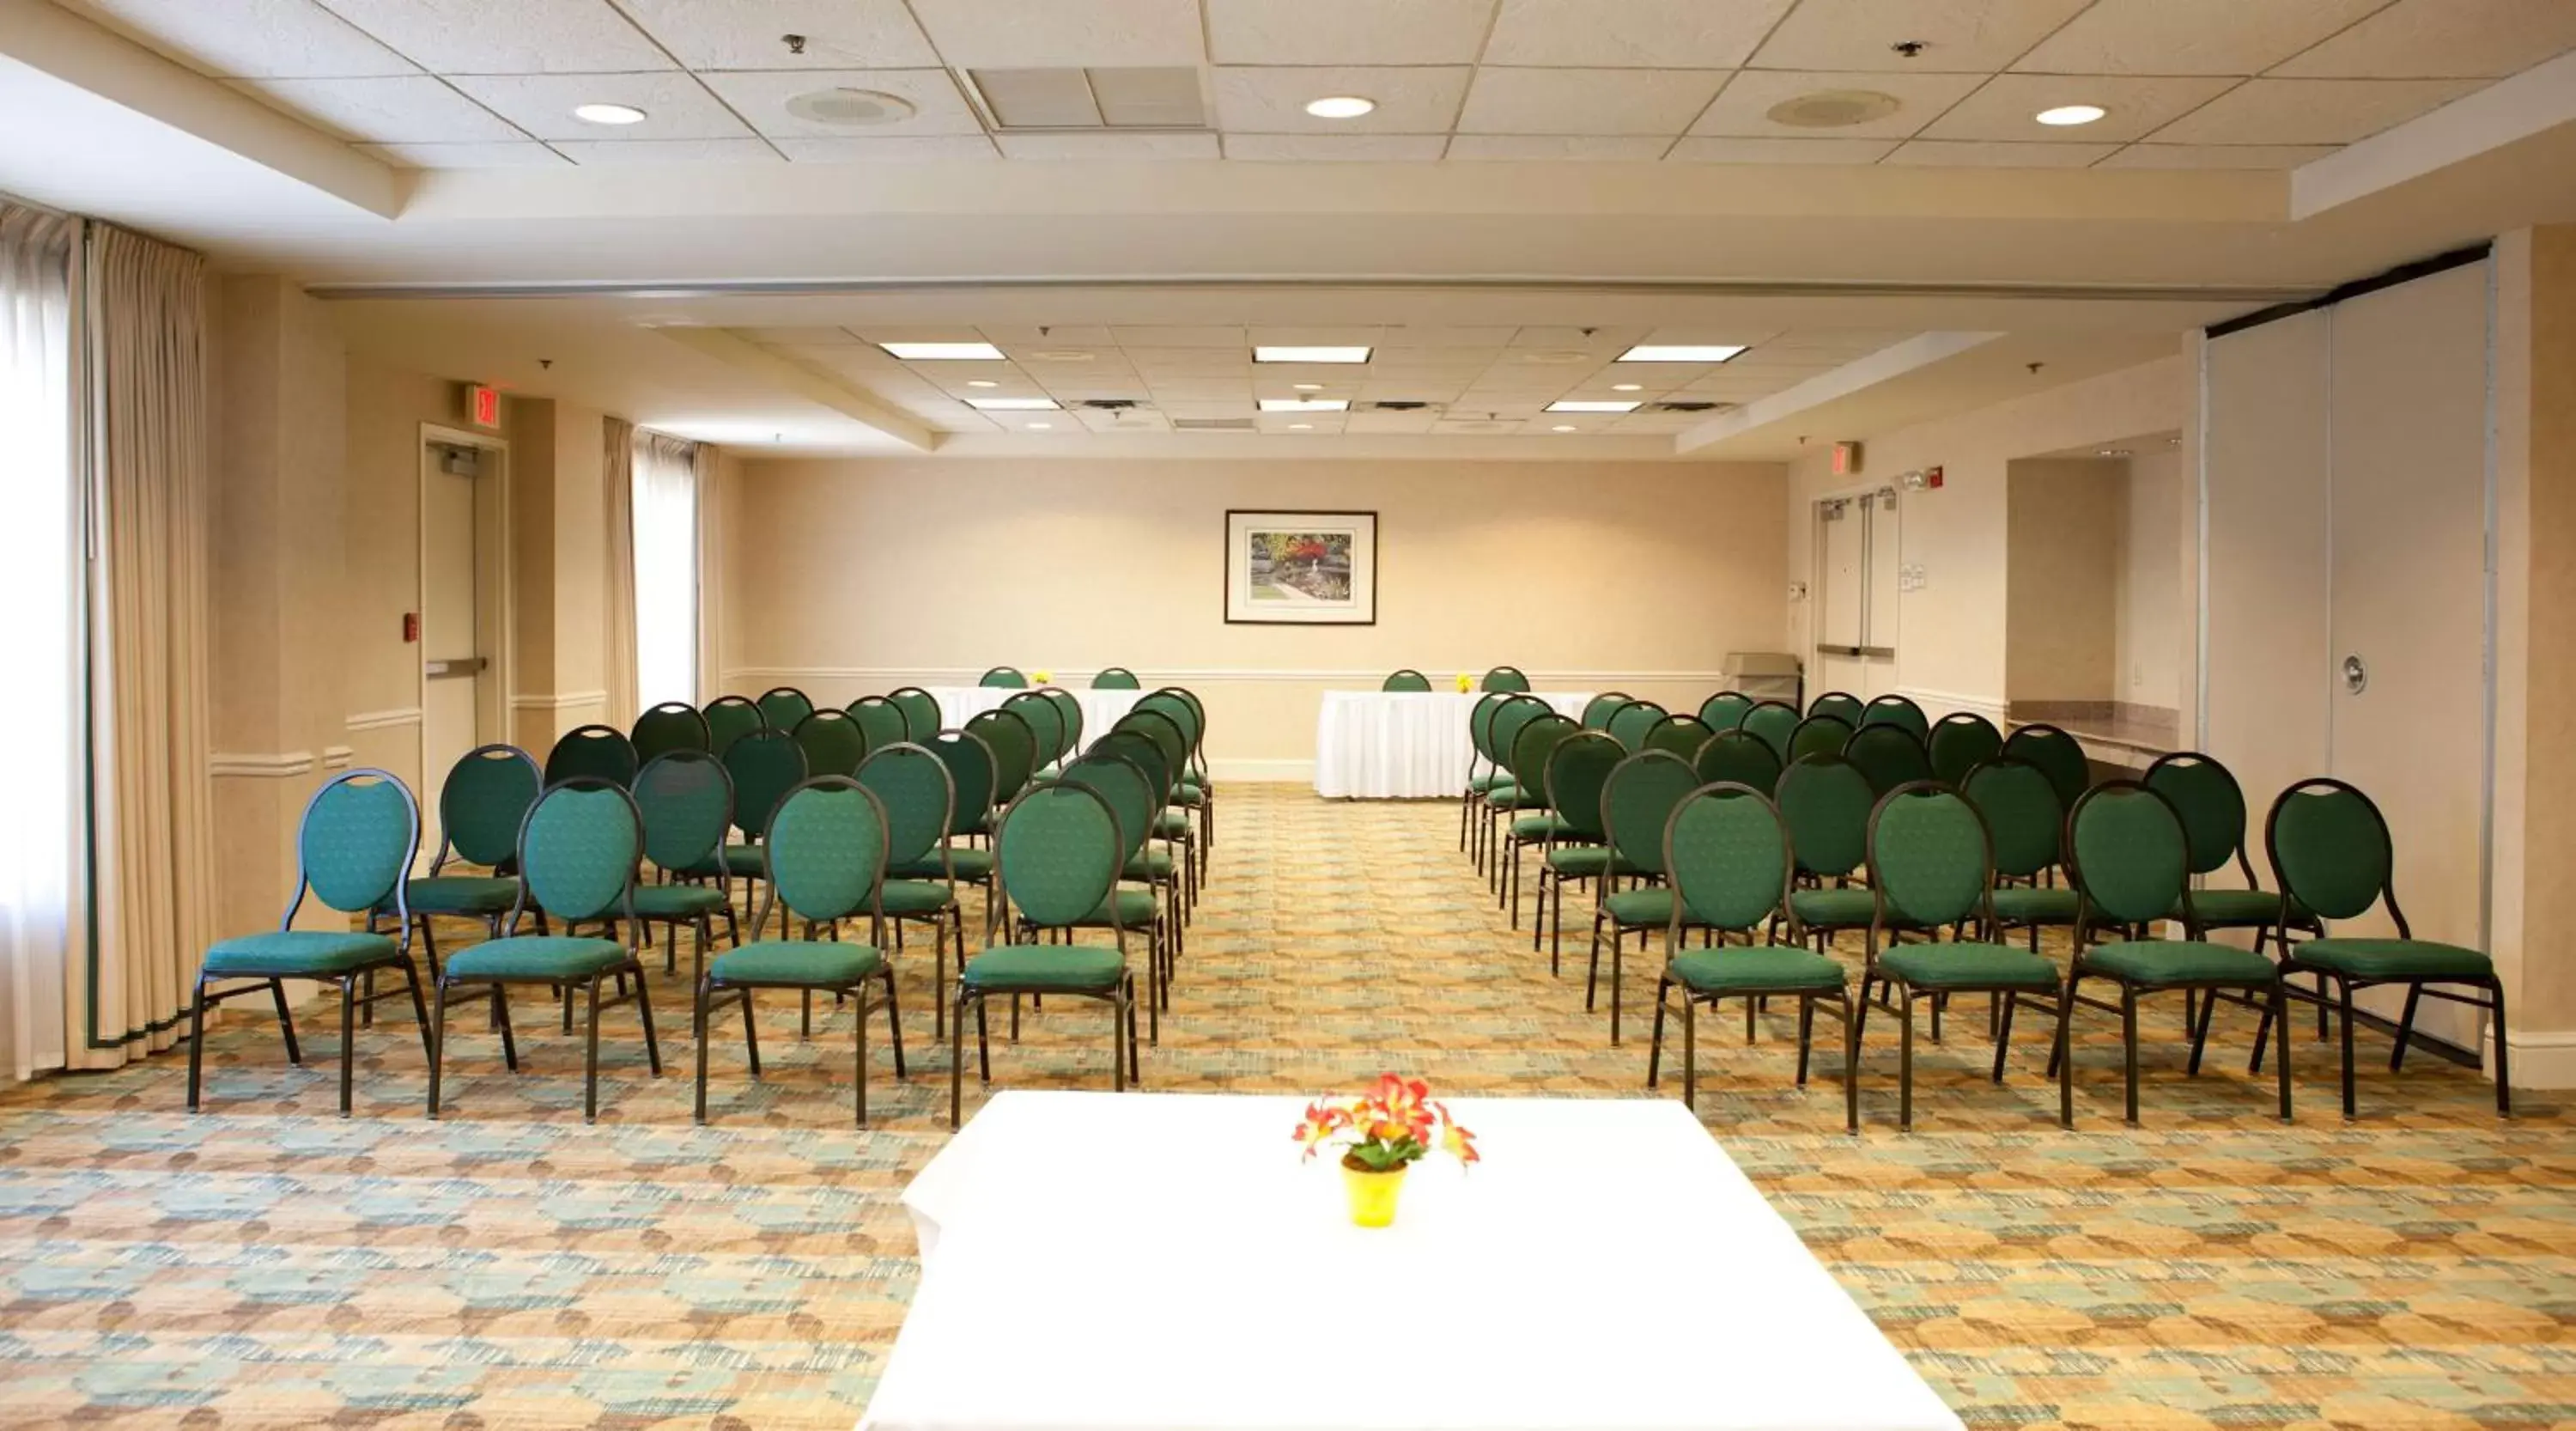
1395, 1121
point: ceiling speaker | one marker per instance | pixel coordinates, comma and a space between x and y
851, 107
1834, 108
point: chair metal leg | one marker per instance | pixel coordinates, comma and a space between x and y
2200, 1030
2003, 1033
894, 1023
501, 1016
698, 1021
957, 1062
644, 1011
1690, 1052
2405, 1028
348, 1039
590, 1059
859, 1052
1905, 1062
2279, 1012
1118, 1006
2062, 1059
285, 1020
1655, 1045
2504, 1073
750, 1033
196, 1042
419, 1011
1851, 1066
2344, 987
437, 1042
983, 1043
1806, 1033
2129, 1039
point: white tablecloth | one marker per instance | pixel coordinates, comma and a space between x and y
1164, 1262
1100, 709
1403, 745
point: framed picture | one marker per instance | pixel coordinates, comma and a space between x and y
1301, 568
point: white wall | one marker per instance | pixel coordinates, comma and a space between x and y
2148, 625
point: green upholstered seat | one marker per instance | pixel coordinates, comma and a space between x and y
915, 896
1833, 908
1171, 825
1631, 908
2395, 959
2236, 908
969, 865
1189, 793
1511, 797
732, 859
536, 957
2025, 904
1589, 861
1771, 968
1135, 910
462, 894
1486, 782
1041, 967
1969, 966
1149, 865
296, 951
677, 901
2177, 961
822, 963
1534, 828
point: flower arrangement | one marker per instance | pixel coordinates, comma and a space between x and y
1042, 678
1381, 1133
1466, 683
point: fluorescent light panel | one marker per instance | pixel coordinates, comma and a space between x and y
1272, 353
1680, 353
1305, 404
944, 352
985, 404
1594, 406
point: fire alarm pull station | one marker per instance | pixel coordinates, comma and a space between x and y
411, 627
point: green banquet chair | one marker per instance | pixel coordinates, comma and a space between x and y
1900, 712
1889, 754
920, 711
882, 723
730, 718
1117, 678
480, 806
1009, 678
784, 707
593, 752
1960, 742
1505, 678
1726, 709
1406, 681
1773, 721
1576, 849
1635, 803
918, 795
1841, 705
672, 725
832, 742
686, 801
1736, 757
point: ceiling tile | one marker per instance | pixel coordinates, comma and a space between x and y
1586, 101
893, 149
1649, 34
250, 39
2309, 111
1377, 422
1109, 146
808, 337
2004, 108
744, 34
399, 110
1964, 36
761, 97
1781, 151
2216, 156
1422, 100
519, 37
1385, 148
1347, 32
1205, 390
1743, 108
1361, 336
601, 153
1430, 336
1040, 34
1154, 336
675, 105
1550, 147
2480, 39
1964, 154
495, 154
1052, 335
2189, 37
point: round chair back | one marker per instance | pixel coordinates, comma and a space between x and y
826, 850
730, 718
1889, 755
1405, 680
832, 742
484, 802
578, 852
765, 765
672, 725
1737, 757
784, 707
356, 842
1930, 860
1960, 742
1826, 801
1726, 851
1058, 854
599, 752
686, 800
917, 795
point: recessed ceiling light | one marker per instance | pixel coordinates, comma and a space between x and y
1276, 353
1562, 427
608, 114
854, 107
1308, 387
1594, 406
2066, 114
1627, 387
2112, 452
982, 383
1041, 427
1301, 427
1014, 404
1340, 106
1305, 404
944, 352
1681, 352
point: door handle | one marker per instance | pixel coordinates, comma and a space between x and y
2356, 676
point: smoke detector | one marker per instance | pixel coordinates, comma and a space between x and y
851, 108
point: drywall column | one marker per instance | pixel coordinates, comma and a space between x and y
277, 506
558, 569
2535, 820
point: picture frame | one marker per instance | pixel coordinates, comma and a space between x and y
1300, 568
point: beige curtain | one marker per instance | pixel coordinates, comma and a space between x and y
711, 681
618, 508
152, 834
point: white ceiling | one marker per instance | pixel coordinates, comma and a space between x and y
1491, 380
2263, 84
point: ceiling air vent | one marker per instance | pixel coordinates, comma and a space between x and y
1397, 406
1686, 406
1092, 99
1109, 404
1212, 424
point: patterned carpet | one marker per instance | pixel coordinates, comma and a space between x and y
268, 1264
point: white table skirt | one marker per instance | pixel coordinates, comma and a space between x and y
1100, 709
1165, 1262
1403, 745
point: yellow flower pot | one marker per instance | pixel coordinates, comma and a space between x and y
1372, 1193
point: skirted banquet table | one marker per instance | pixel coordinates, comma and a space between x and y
1100, 709
1165, 1262
1402, 745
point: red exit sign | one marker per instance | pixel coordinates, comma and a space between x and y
483, 406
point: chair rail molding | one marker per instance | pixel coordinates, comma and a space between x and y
562, 701
384, 719
752, 679
337, 757
1941, 703
281, 766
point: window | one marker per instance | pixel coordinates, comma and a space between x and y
666, 570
